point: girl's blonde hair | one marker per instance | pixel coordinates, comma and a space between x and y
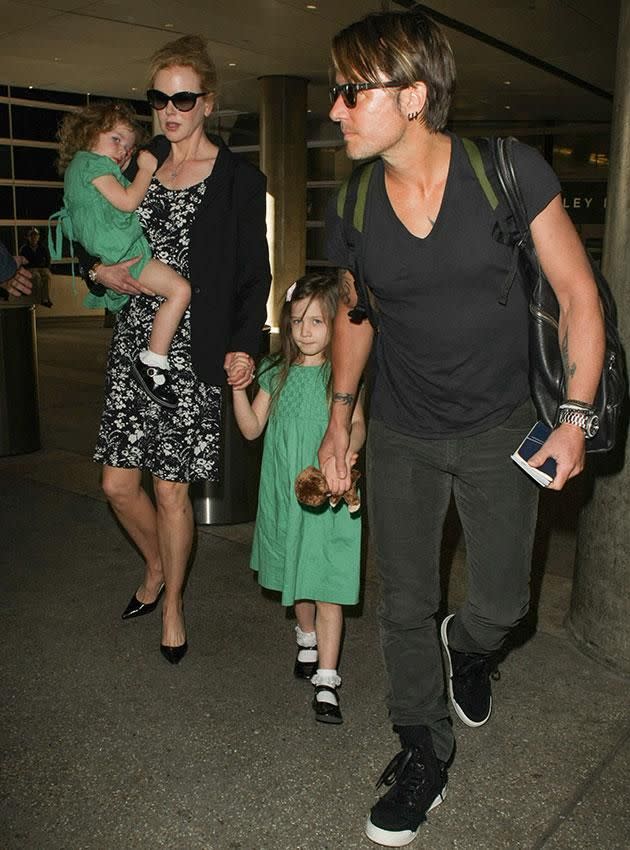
323, 288
79, 130
190, 51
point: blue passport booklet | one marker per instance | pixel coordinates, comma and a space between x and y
545, 474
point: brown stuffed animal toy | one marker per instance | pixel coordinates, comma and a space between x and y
312, 490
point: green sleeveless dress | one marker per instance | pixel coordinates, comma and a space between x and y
305, 553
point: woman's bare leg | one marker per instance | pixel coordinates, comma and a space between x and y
175, 535
164, 281
135, 512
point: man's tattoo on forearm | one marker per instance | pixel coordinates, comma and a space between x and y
343, 398
569, 368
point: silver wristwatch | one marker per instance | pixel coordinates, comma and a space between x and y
580, 414
92, 271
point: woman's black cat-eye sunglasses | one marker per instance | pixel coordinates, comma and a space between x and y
183, 101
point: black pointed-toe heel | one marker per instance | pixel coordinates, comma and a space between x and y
138, 609
174, 654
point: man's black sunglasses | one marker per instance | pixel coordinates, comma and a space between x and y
184, 101
349, 91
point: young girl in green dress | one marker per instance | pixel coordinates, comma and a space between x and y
95, 147
310, 555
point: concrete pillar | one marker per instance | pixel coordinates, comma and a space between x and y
283, 160
600, 606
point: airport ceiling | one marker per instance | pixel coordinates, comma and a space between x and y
102, 47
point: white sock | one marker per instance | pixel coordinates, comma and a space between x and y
150, 358
308, 639
326, 677
308, 642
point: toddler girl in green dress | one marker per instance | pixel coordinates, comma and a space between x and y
96, 146
310, 555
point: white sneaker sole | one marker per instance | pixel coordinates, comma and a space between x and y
386, 838
474, 724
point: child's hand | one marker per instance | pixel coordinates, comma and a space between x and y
351, 458
240, 369
146, 161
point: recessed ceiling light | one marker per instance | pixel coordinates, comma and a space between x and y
507, 82
311, 6
508, 107
231, 64
134, 88
169, 26
30, 87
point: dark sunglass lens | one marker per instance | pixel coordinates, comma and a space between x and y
349, 94
157, 99
184, 101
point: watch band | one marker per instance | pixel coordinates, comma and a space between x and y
581, 415
92, 271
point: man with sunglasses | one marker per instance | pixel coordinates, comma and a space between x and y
450, 400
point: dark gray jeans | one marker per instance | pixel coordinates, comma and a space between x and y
410, 481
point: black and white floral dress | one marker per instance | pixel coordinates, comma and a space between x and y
135, 432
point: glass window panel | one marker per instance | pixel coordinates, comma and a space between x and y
4, 90
4, 120
48, 96
244, 131
36, 202
5, 161
315, 243
35, 164
140, 107
576, 157
7, 237
6, 202
317, 201
40, 125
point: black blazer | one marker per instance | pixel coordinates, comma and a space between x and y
229, 262
229, 265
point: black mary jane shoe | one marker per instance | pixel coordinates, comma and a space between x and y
326, 712
174, 654
138, 609
305, 669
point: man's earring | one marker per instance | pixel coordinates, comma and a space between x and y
412, 116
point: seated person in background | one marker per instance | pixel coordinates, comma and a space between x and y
37, 262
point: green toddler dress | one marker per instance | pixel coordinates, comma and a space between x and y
103, 230
306, 553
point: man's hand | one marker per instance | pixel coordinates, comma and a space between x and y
565, 445
20, 283
117, 277
240, 369
335, 458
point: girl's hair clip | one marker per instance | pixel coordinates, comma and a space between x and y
290, 292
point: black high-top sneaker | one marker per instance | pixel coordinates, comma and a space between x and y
417, 781
469, 681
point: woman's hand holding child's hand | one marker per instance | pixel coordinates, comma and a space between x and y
240, 369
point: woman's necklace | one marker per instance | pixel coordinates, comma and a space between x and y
175, 171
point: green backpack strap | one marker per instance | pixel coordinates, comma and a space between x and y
351, 203
476, 162
352, 196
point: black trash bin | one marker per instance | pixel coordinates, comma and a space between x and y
19, 402
234, 497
